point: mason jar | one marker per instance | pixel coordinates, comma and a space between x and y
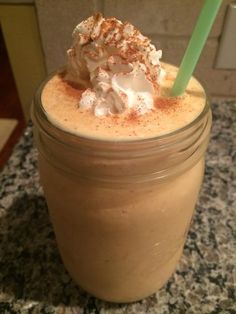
120, 210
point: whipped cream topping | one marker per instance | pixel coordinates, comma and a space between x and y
116, 64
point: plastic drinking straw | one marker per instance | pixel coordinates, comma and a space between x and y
195, 46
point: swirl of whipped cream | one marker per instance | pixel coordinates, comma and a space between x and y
116, 64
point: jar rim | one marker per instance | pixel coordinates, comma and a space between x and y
89, 139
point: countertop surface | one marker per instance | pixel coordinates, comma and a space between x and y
34, 280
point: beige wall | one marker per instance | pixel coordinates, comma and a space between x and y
168, 22
21, 35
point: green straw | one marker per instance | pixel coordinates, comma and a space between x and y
195, 46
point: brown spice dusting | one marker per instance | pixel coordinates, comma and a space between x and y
166, 103
133, 116
115, 119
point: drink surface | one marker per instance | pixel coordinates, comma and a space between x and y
60, 100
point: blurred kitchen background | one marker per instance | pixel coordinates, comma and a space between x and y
34, 36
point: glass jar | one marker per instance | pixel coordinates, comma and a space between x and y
121, 210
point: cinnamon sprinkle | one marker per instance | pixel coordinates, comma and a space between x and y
166, 103
115, 119
133, 116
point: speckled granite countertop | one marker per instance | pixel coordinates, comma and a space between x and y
34, 280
